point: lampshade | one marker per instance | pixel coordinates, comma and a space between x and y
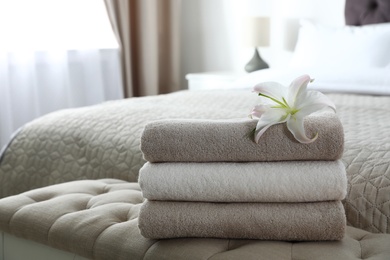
257, 31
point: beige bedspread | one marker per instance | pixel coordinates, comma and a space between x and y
103, 142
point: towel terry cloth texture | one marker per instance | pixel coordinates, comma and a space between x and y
219, 183
183, 140
303, 181
271, 221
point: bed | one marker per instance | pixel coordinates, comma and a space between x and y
102, 141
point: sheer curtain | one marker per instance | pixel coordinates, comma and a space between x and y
54, 55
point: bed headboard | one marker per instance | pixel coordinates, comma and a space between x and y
361, 12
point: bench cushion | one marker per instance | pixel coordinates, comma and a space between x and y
98, 219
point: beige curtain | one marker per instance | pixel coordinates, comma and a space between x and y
148, 32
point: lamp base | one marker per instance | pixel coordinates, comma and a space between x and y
256, 63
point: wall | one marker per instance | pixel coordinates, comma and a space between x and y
212, 30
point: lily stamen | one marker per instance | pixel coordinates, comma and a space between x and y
273, 99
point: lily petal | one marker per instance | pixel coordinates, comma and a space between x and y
297, 88
272, 89
271, 117
313, 101
296, 127
259, 110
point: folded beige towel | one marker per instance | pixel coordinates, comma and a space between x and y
233, 140
289, 181
268, 221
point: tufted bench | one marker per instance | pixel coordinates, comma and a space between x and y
98, 219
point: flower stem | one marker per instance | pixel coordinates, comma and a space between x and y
275, 100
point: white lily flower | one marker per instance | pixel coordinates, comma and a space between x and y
290, 105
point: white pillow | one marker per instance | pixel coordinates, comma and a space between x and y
375, 81
320, 46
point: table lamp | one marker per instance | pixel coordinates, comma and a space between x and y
257, 35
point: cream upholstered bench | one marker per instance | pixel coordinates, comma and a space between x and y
98, 219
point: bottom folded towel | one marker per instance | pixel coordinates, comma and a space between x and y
268, 221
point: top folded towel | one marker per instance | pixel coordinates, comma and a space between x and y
181, 140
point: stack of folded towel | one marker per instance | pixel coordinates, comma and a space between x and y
208, 178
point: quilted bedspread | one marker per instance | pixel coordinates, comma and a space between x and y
103, 141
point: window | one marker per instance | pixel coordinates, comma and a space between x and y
54, 24
54, 54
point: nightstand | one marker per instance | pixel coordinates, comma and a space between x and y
212, 80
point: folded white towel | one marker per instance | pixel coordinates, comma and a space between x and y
290, 181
